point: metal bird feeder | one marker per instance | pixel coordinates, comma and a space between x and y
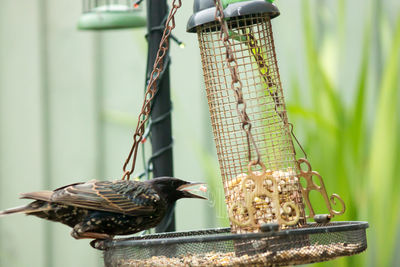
256, 192
268, 206
109, 15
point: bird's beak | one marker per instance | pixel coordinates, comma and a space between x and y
187, 187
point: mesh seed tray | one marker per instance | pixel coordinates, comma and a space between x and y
218, 247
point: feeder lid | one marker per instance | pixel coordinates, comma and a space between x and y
204, 10
111, 17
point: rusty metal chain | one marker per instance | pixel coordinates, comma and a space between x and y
151, 89
236, 84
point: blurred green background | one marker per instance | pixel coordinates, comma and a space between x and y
69, 99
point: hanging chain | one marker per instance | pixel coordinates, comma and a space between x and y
151, 90
236, 84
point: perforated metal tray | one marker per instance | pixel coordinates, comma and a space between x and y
218, 247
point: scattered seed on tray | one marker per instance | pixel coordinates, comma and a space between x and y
306, 254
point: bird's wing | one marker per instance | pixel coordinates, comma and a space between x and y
127, 197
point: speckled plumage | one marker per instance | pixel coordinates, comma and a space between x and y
102, 209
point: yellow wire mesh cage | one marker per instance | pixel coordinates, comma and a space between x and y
251, 202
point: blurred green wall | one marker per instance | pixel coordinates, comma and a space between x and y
69, 99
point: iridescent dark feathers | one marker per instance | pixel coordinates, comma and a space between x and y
102, 209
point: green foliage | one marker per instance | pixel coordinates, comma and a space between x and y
383, 182
355, 144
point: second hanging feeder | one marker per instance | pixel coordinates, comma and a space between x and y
110, 15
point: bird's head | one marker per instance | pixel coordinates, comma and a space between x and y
172, 189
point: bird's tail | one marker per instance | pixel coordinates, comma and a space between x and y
14, 210
33, 208
41, 204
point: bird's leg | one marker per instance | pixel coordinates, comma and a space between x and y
89, 235
85, 230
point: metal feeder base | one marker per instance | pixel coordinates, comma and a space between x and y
110, 21
218, 247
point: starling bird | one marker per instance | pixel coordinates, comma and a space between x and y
102, 209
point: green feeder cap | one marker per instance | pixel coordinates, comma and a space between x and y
111, 17
204, 10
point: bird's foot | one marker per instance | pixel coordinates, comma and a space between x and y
99, 244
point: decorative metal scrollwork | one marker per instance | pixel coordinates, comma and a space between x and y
259, 180
311, 185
